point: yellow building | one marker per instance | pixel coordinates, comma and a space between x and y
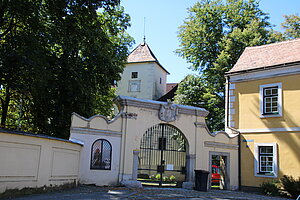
263, 105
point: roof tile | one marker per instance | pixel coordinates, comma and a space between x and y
268, 55
141, 53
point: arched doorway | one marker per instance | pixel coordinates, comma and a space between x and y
162, 159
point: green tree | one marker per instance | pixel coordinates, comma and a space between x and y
213, 37
291, 26
193, 91
19, 42
76, 52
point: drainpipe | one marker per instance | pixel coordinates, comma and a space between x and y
233, 129
239, 162
227, 101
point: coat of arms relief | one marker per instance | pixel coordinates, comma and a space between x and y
168, 112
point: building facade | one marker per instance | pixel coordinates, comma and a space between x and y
263, 106
148, 138
143, 77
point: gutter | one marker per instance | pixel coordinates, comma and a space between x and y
262, 68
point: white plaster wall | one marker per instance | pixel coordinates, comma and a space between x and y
138, 116
195, 135
97, 122
146, 118
202, 159
30, 161
160, 88
146, 74
95, 176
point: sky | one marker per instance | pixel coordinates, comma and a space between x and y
163, 17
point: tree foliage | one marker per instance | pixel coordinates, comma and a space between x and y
212, 38
291, 27
193, 91
61, 57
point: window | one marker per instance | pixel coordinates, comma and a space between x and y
266, 160
101, 155
270, 100
134, 75
134, 86
160, 80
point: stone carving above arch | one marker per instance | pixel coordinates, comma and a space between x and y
168, 113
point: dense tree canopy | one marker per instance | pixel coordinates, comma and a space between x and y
194, 92
60, 57
212, 38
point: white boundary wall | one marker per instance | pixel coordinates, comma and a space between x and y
29, 160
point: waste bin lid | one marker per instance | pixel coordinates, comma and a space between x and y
201, 171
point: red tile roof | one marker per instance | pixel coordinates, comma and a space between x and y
268, 55
143, 53
170, 86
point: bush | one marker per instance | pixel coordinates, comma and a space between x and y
165, 178
157, 176
291, 185
270, 188
172, 178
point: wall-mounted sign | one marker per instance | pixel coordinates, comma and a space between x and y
170, 167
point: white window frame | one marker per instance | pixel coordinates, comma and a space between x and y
261, 99
256, 160
137, 82
102, 164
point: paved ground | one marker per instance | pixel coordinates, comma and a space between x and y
95, 193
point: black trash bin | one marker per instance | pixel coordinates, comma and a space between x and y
201, 177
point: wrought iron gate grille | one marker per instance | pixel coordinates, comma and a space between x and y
162, 156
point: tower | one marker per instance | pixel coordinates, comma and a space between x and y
143, 77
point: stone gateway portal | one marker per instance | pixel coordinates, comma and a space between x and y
150, 141
162, 158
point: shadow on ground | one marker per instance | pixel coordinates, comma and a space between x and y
95, 193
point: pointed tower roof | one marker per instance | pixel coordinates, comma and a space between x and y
143, 53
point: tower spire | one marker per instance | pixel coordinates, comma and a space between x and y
144, 30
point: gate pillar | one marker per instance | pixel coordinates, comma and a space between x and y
190, 167
190, 175
135, 164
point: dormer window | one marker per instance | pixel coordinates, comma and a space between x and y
134, 74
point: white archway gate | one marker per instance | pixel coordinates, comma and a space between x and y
127, 130
162, 158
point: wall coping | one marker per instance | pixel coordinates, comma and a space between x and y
156, 105
7, 131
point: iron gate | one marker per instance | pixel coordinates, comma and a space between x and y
162, 158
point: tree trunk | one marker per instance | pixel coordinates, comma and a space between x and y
5, 104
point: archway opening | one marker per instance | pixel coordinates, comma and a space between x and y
162, 158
